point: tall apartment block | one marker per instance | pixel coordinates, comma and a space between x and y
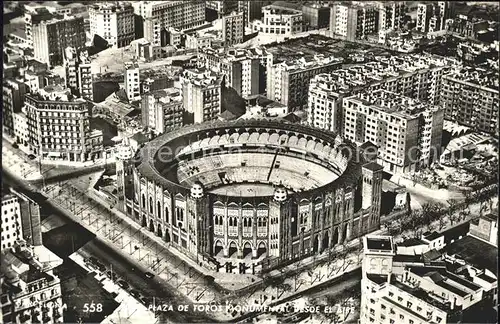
390, 15
315, 15
52, 37
162, 110
221, 7
27, 266
432, 16
278, 20
288, 81
20, 220
233, 28
113, 21
413, 282
353, 21
414, 76
244, 69
201, 93
132, 81
59, 129
13, 92
252, 10
408, 133
158, 16
470, 97
78, 75
33, 16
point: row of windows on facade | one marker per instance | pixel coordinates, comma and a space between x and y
233, 221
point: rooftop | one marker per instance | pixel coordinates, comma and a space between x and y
467, 249
282, 8
432, 235
483, 75
379, 243
412, 242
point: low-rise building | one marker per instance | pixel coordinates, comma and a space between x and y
279, 20
400, 287
407, 132
162, 110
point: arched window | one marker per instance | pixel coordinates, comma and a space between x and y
221, 220
249, 222
235, 222
150, 205
143, 201
158, 208
231, 221
166, 214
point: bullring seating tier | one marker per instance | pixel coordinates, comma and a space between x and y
294, 173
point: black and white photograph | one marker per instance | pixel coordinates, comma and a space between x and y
253, 161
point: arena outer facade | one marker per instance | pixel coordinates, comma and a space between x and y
287, 225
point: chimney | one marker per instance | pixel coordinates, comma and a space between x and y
389, 275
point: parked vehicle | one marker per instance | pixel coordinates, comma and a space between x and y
123, 284
149, 275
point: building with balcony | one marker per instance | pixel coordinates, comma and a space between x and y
244, 69
252, 10
51, 38
390, 15
432, 287
132, 81
59, 128
407, 132
288, 80
414, 76
432, 15
353, 21
279, 20
470, 97
233, 28
162, 110
78, 73
158, 16
202, 94
13, 92
113, 21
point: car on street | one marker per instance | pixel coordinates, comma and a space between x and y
135, 293
31, 157
143, 300
123, 284
14, 145
149, 275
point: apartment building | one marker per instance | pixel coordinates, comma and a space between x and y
33, 16
113, 21
20, 220
288, 80
252, 10
158, 16
162, 110
132, 81
221, 7
315, 15
31, 292
52, 37
279, 20
13, 92
201, 93
470, 97
244, 69
233, 28
78, 74
407, 132
390, 15
414, 76
418, 288
59, 128
432, 16
353, 21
